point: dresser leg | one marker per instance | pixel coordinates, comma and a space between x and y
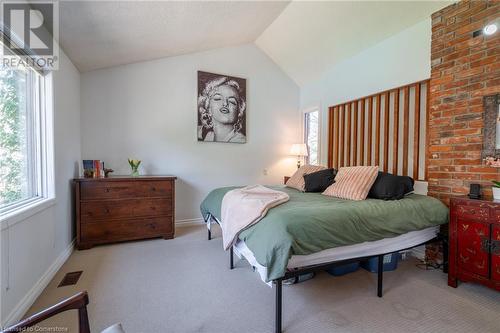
452, 282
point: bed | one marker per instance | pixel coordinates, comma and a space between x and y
313, 231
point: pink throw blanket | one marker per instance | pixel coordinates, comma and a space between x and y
243, 207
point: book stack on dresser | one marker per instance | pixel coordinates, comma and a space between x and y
124, 208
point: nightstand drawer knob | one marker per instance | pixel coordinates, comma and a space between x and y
495, 247
485, 244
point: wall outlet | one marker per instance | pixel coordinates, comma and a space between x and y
264, 172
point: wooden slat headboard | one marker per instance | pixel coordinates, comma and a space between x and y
366, 130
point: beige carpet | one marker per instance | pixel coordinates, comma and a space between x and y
184, 285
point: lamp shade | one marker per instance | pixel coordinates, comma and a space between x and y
299, 149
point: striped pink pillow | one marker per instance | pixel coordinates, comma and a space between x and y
353, 183
297, 179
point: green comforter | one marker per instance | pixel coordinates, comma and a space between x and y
311, 222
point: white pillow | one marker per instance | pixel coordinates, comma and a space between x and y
353, 183
297, 179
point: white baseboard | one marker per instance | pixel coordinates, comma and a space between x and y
23, 306
189, 222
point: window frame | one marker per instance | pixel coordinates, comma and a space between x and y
40, 133
304, 131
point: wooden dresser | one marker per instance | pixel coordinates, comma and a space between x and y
474, 253
123, 208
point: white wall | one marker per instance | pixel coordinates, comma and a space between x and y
33, 249
148, 111
401, 59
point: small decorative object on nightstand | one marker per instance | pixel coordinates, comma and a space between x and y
474, 246
299, 150
475, 191
123, 208
496, 190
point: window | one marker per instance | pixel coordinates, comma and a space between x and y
25, 138
311, 136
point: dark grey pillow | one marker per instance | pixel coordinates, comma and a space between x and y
318, 181
391, 187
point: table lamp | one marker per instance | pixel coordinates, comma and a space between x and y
298, 149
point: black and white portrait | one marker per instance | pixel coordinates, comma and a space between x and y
221, 108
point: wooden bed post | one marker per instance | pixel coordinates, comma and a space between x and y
278, 285
83, 319
76, 302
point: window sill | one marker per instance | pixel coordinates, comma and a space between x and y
24, 212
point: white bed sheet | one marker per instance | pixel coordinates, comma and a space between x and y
383, 246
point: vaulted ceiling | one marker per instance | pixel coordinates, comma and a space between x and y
310, 37
98, 34
304, 38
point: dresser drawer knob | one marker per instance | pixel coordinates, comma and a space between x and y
107, 189
153, 188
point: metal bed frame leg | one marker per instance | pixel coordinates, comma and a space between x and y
231, 262
445, 253
278, 286
380, 274
207, 221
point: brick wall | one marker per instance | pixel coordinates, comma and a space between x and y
464, 69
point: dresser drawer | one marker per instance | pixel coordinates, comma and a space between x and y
125, 189
127, 208
472, 212
127, 229
122, 208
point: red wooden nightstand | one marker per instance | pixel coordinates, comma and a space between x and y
474, 231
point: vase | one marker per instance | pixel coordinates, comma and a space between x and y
496, 193
135, 172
